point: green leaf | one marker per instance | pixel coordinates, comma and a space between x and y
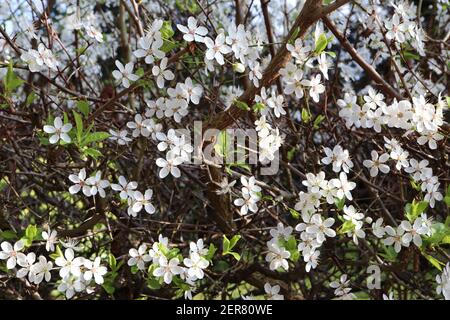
65, 118
79, 125
235, 255
234, 240
140, 72
169, 45
447, 200
258, 107
8, 235
410, 55
134, 269
306, 115
321, 44
339, 203
346, 227
225, 245
166, 30
447, 221
291, 153
221, 266
294, 213
241, 105
83, 106
57, 253
244, 166
95, 137
294, 36
389, 253
415, 209
211, 251
173, 253
414, 184
331, 54
153, 284
94, 153
295, 255
447, 196
291, 244
109, 287
223, 145
317, 121
112, 261
435, 262
421, 207
438, 232
30, 99
12, 81
31, 232
189, 5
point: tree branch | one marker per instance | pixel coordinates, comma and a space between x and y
373, 74
334, 6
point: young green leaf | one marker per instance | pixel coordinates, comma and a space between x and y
83, 107
79, 125
95, 137
12, 81
321, 44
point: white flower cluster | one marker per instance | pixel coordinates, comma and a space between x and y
313, 232
314, 229
96, 185
404, 234
420, 116
269, 141
341, 288
90, 186
74, 22
273, 101
356, 221
39, 59
339, 158
37, 271
77, 273
293, 73
178, 151
402, 27
419, 170
278, 255
166, 262
143, 126
250, 196
239, 42
443, 281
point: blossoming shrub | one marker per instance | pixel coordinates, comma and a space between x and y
107, 194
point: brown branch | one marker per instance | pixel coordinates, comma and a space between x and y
334, 6
268, 24
373, 74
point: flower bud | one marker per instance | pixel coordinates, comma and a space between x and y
238, 67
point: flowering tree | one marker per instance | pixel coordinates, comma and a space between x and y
119, 176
